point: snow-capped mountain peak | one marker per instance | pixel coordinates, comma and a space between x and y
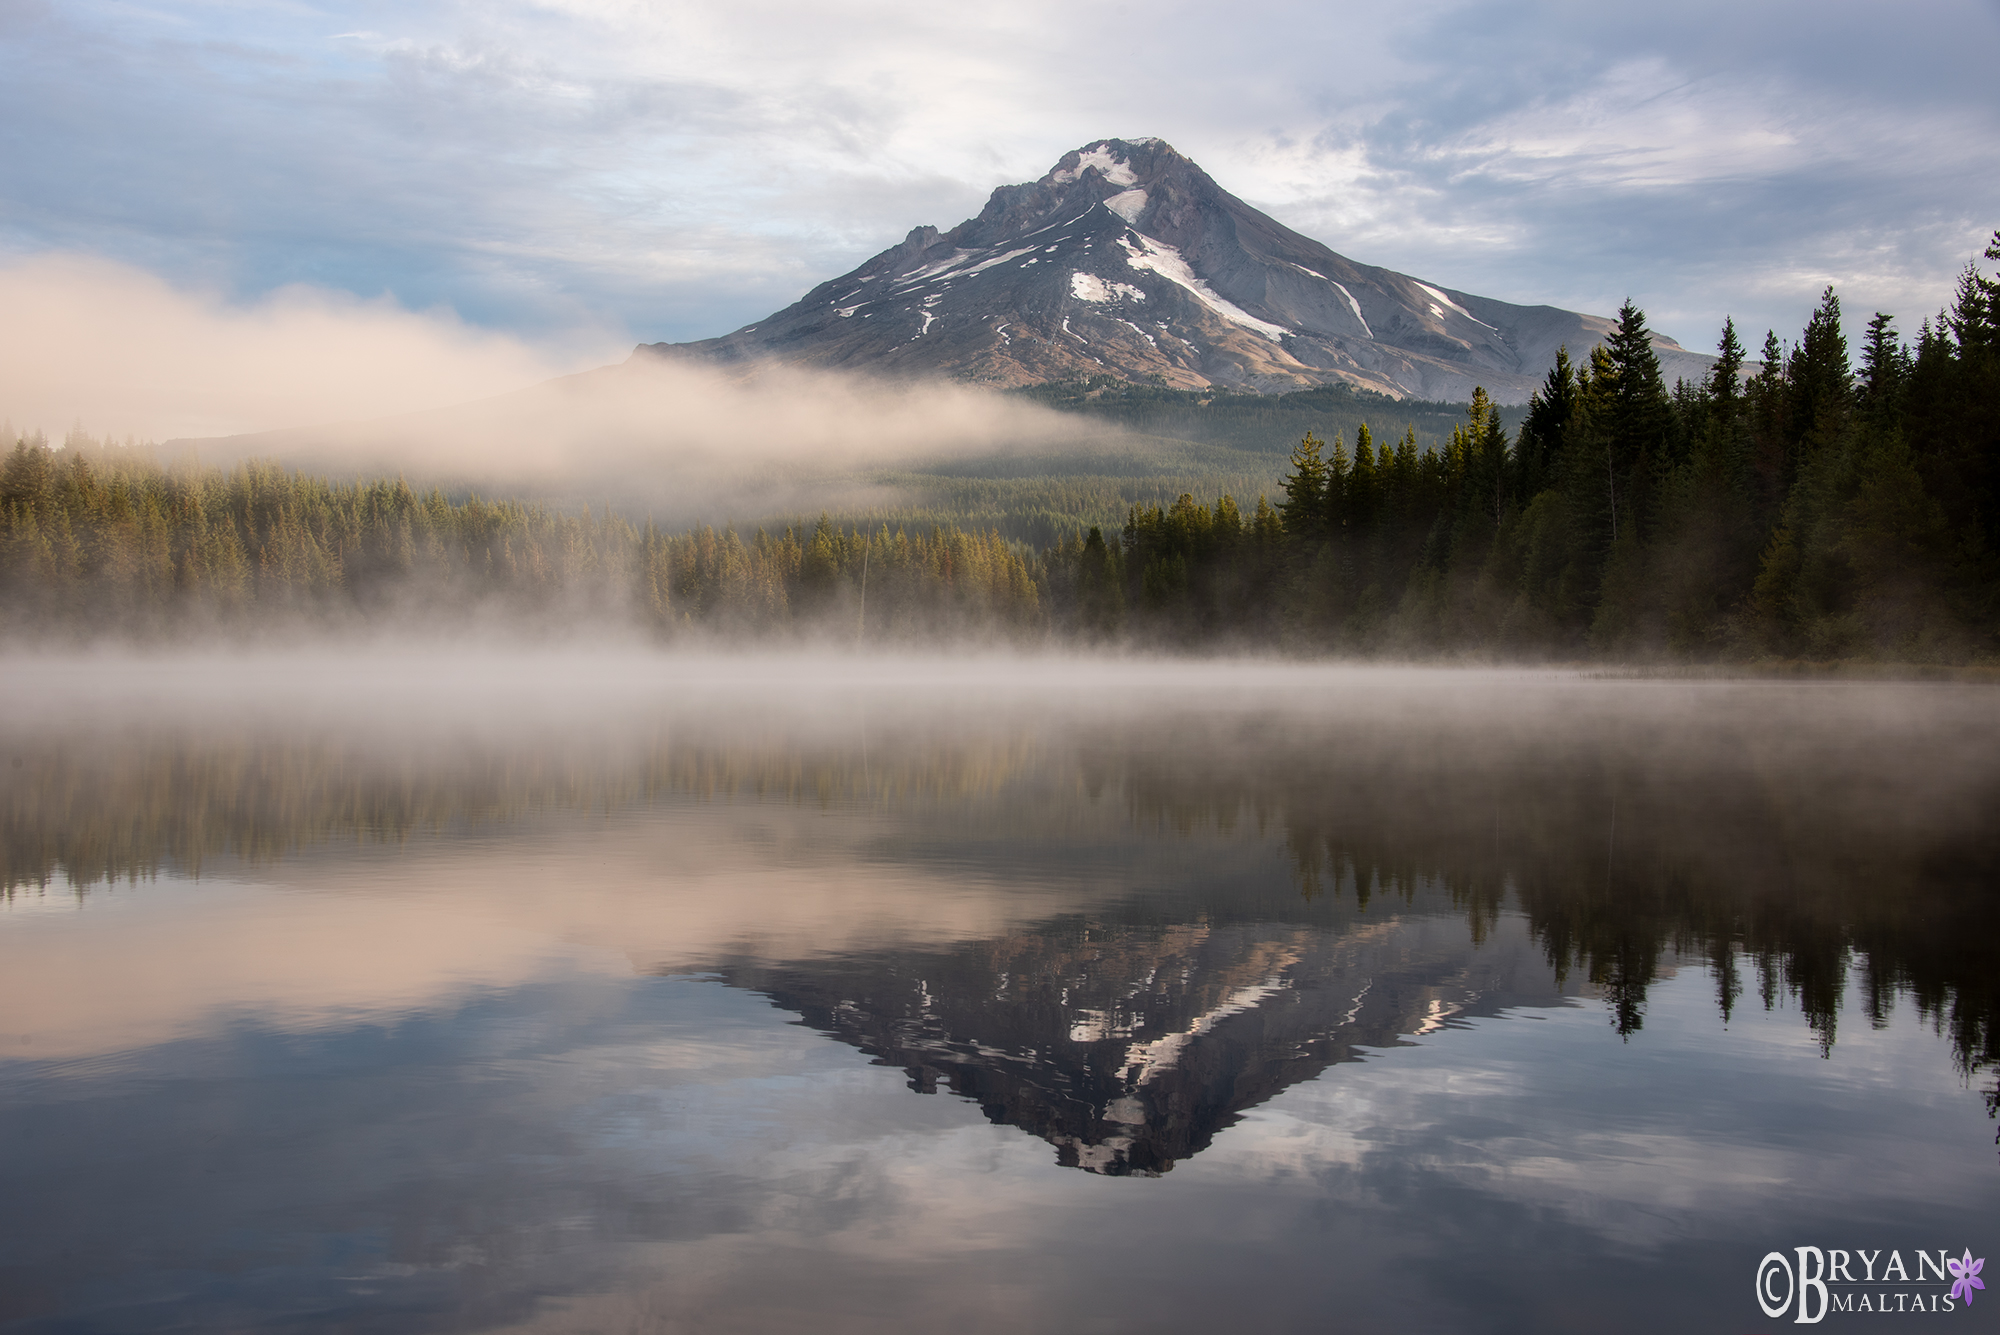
1127, 258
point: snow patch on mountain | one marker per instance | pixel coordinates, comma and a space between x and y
1355, 306
1167, 262
1089, 287
961, 264
930, 271
984, 265
1114, 169
1128, 205
1452, 305
1352, 304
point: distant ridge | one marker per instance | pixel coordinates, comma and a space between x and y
1128, 259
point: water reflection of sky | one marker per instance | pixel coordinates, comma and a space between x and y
694, 1057
582, 1148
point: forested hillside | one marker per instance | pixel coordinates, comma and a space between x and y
100, 540
1204, 443
1815, 510
1825, 507
1257, 423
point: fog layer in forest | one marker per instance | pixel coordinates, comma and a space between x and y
1815, 509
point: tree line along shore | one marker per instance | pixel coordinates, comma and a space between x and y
1783, 895
1828, 506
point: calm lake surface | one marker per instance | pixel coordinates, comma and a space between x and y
531, 991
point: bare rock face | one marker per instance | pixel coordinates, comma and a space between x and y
1128, 259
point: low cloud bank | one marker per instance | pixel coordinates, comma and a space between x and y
87, 340
685, 437
330, 383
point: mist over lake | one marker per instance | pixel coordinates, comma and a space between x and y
412, 989
766, 669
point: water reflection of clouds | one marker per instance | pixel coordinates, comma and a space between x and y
584, 1149
1643, 1143
335, 938
1398, 1170
480, 1067
186, 961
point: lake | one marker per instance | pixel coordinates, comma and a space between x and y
502, 989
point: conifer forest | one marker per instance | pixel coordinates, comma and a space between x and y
1810, 502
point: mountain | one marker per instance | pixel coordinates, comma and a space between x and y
1128, 259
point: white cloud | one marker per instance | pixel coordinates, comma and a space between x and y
85, 339
686, 169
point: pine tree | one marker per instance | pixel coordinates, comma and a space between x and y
1885, 365
1638, 418
1361, 487
1541, 435
1974, 318
1304, 507
1725, 377
1821, 381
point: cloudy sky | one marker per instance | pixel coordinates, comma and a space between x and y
576, 175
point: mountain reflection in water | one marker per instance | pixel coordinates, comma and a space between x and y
1246, 892
1129, 1044
1119, 912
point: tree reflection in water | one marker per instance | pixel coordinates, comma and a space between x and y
1344, 878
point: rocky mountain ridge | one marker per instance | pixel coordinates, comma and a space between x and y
1127, 258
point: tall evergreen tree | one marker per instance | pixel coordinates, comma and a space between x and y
1541, 434
1638, 421
1885, 365
1974, 319
1304, 507
1822, 387
1773, 462
1725, 377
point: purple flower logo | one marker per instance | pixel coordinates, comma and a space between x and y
1965, 1276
